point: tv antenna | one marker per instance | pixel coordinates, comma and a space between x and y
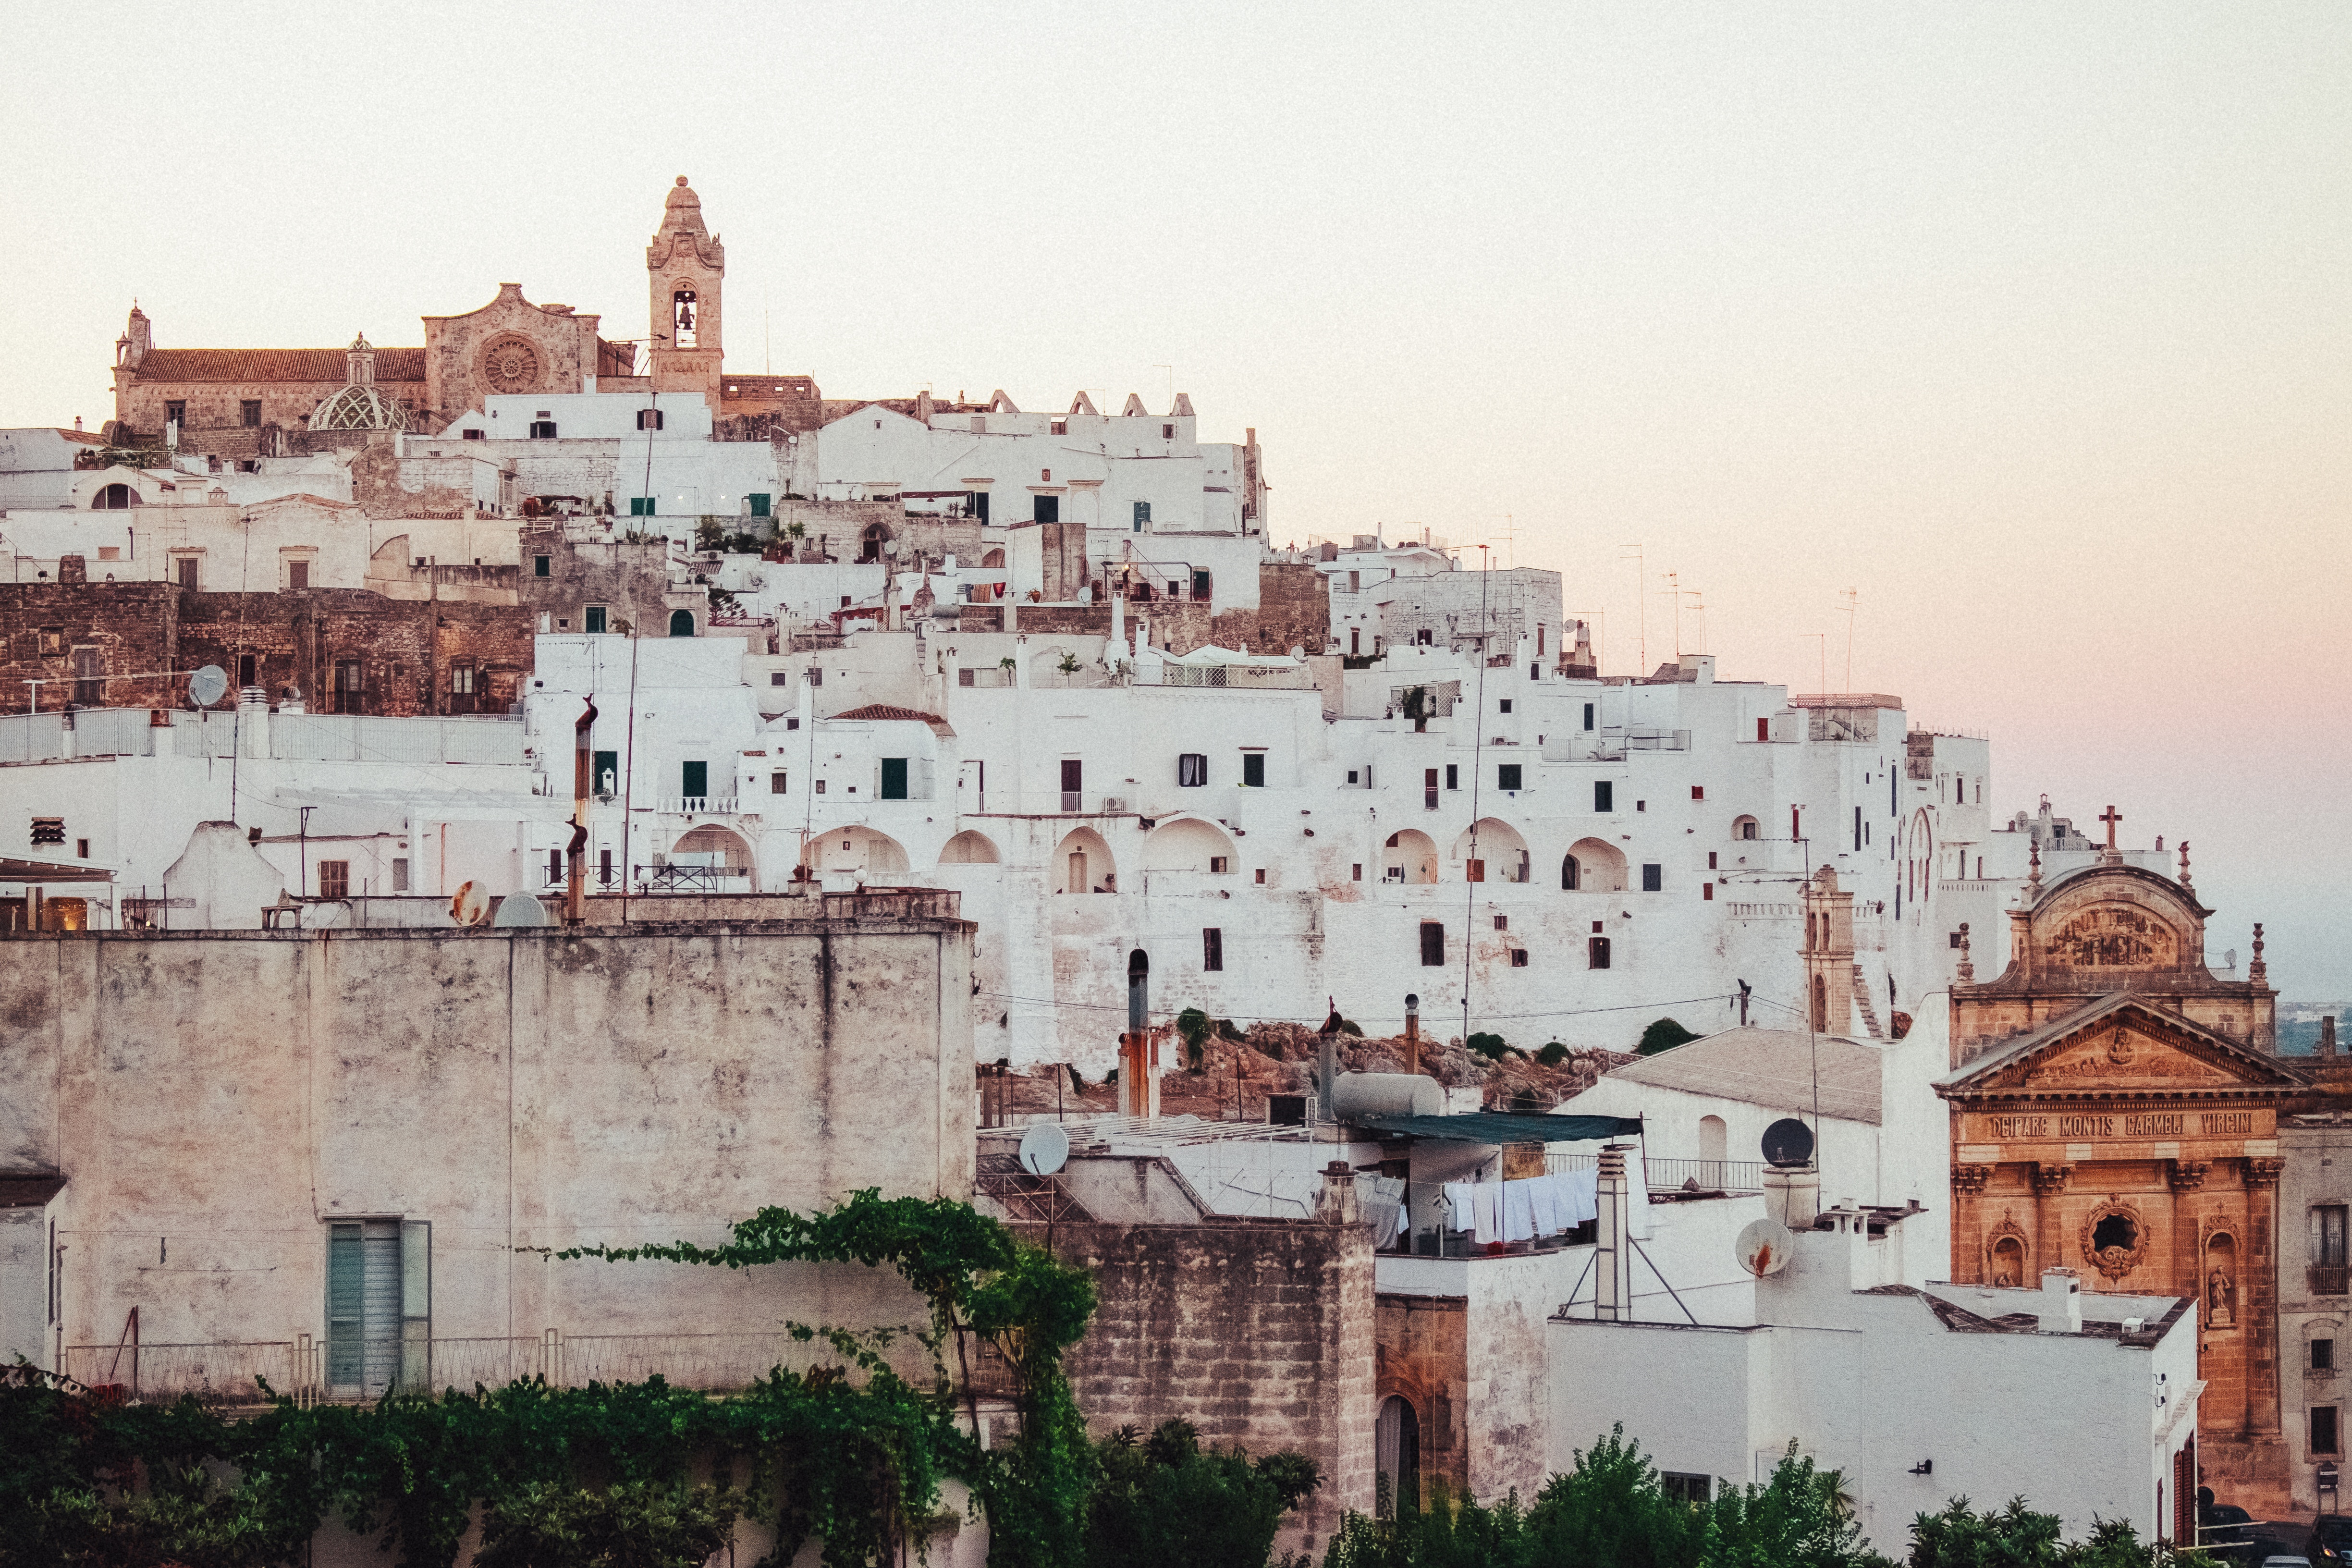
1641, 606
1850, 595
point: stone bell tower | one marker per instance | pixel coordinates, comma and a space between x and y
685, 267
1829, 955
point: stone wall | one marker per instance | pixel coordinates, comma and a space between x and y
1424, 1357
1293, 611
233, 1092
631, 581
1257, 1331
405, 649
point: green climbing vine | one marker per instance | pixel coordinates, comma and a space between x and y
622, 1476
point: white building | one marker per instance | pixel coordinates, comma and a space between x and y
2079, 1402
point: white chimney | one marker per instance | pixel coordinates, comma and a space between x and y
1612, 1289
2062, 1302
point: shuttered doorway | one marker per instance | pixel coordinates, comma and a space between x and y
378, 1321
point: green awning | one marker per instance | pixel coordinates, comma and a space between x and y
1507, 1127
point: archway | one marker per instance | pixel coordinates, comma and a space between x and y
991, 562
1593, 866
1743, 828
1920, 858
970, 849
1188, 844
1082, 863
707, 857
859, 851
1396, 1448
1821, 1006
681, 623
871, 540
1714, 1144
1491, 851
112, 498
1409, 857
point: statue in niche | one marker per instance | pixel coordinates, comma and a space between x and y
2219, 1297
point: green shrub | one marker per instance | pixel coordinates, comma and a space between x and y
1663, 1035
1164, 1502
1552, 1055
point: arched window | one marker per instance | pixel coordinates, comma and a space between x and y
1569, 873
1714, 1142
681, 623
870, 543
1743, 828
111, 498
1821, 1006
685, 315
1396, 1447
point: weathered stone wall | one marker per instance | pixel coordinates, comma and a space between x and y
405, 649
213, 1099
1293, 611
629, 580
1423, 1352
1258, 1331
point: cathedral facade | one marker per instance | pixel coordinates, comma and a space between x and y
2114, 1111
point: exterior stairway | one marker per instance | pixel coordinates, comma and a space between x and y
1862, 1000
1024, 1196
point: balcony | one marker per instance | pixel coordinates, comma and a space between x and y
2328, 1279
695, 804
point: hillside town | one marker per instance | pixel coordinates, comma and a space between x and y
471, 813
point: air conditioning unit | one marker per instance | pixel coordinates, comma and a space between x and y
1114, 803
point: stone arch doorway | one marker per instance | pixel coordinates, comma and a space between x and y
681, 623
1491, 851
970, 849
1410, 857
1396, 1448
858, 852
1592, 866
1082, 863
1188, 844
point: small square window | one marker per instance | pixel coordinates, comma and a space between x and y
82, 849
1351, 775
776, 784
1502, 922
1261, 876
1653, 878
1707, 892
1507, 705
647, 419
540, 566
469, 435
542, 429
1219, 865
1168, 432
1432, 945
298, 575
1698, 792
1604, 795
1254, 770
1356, 872
1518, 958
1596, 952
594, 623
779, 677
820, 786
249, 412
1507, 775
1452, 777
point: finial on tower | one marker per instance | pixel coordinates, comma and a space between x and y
2184, 864
1968, 968
2257, 971
2033, 872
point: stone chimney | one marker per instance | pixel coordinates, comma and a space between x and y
2327, 1037
72, 569
2061, 1310
1338, 1205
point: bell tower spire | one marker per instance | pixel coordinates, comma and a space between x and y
684, 268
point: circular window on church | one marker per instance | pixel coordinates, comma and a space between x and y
510, 364
2113, 1239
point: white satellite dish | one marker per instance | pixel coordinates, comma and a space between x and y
520, 909
1045, 1149
1763, 1246
470, 905
208, 686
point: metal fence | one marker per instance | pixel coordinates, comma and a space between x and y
315, 1370
1678, 1175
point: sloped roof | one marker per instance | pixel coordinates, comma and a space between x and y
1771, 1067
885, 710
328, 365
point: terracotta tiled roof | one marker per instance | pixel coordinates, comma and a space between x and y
885, 710
331, 366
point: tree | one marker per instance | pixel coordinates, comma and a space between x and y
1663, 1035
1166, 1502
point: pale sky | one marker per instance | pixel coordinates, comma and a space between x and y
2027, 322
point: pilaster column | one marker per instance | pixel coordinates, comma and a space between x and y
2187, 1177
2049, 1236
1968, 1223
2258, 1294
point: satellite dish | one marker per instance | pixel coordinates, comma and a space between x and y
1763, 1246
470, 905
519, 910
208, 686
1788, 1141
1045, 1149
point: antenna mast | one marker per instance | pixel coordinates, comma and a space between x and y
1850, 595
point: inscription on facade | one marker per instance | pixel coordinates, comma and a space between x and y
2089, 1127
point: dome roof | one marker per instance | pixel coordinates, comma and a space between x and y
360, 408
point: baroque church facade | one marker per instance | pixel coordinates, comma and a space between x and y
2114, 1111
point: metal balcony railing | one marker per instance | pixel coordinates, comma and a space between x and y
2328, 1279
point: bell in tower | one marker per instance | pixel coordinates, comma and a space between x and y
685, 267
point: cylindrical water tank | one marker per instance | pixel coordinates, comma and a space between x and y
1386, 1094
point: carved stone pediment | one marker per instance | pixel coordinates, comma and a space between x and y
2124, 1049
2120, 1060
